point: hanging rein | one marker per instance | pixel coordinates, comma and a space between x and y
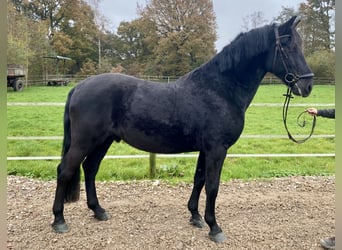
291, 80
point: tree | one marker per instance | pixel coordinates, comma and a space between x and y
168, 38
318, 32
185, 31
110, 48
27, 41
319, 27
285, 14
17, 36
131, 45
132, 48
65, 27
42, 10
101, 21
254, 20
322, 62
79, 33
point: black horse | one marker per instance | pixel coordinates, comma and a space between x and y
202, 111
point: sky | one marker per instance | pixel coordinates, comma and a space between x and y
229, 14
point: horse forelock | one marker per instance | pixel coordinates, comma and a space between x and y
243, 48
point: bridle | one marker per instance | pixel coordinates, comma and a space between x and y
291, 80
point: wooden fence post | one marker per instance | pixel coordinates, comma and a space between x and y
152, 165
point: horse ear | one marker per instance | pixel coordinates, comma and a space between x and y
286, 28
291, 22
296, 22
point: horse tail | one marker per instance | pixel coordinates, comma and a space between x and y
67, 132
72, 189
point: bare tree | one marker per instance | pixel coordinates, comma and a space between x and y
254, 20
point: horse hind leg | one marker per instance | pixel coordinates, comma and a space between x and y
199, 180
68, 187
91, 166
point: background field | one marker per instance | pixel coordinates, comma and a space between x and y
264, 133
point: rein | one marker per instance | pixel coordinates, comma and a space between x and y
288, 97
291, 80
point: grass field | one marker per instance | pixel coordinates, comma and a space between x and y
264, 120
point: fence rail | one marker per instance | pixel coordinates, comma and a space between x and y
141, 156
33, 158
268, 79
252, 104
52, 138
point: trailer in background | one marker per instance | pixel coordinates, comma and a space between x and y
57, 79
15, 76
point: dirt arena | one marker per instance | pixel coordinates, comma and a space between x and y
286, 213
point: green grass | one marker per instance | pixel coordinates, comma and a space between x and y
182, 170
40, 94
48, 121
273, 94
34, 121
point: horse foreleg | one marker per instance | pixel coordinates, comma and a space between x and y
214, 162
91, 166
199, 180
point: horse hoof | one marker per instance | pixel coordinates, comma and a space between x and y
218, 238
197, 222
60, 228
102, 216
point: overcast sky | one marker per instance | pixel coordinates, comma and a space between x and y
229, 14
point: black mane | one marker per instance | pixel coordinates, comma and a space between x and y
245, 46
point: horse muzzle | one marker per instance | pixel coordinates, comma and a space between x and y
300, 85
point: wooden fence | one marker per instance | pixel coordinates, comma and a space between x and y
268, 79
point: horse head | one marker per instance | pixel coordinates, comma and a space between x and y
287, 61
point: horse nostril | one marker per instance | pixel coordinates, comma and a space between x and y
309, 88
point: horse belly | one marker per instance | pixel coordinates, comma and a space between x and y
166, 142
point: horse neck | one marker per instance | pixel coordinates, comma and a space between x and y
239, 68
235, 85
247, 83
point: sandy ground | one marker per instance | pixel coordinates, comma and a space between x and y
285, 213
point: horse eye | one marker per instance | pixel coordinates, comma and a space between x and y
286, 40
